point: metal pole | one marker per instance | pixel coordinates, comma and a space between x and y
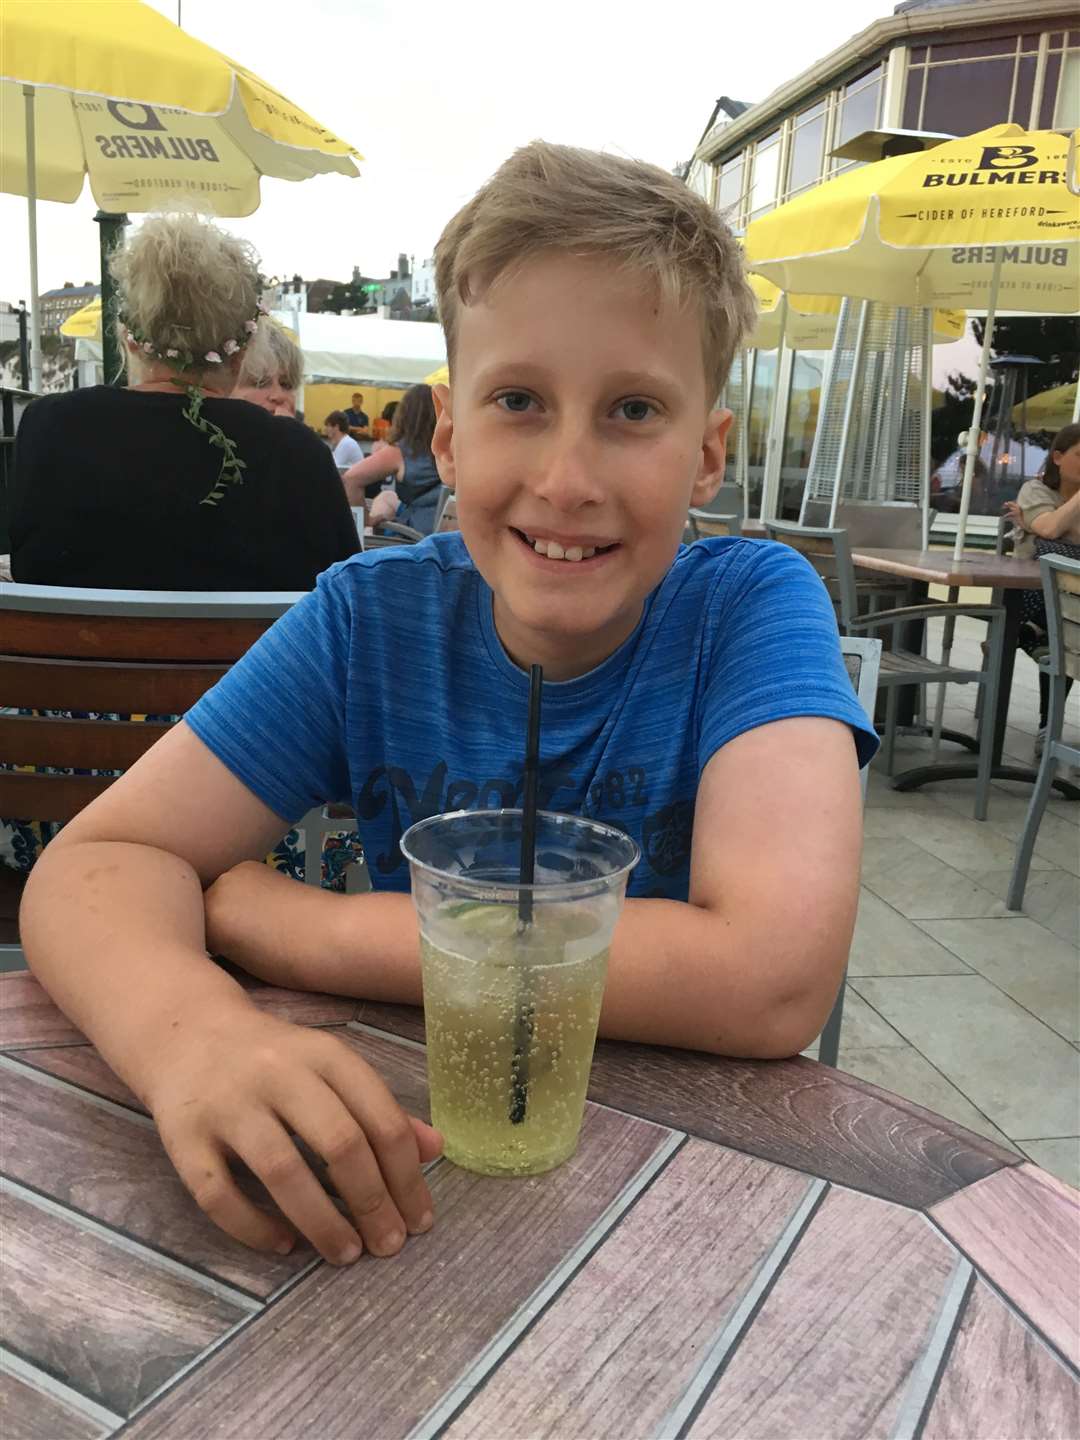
895, 412
112, 233
774, 444
24, 349
928, 410
976, 418
826, 390
31, 225
743, 468
849, 407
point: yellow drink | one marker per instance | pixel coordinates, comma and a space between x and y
511, 1014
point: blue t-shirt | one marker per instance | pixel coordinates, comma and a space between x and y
387, 687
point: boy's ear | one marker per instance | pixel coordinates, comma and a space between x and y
442, 441
713, 457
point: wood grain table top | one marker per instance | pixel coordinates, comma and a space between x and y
937, 567
754, 1249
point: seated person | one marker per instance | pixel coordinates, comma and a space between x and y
408, 462
167, 484
357, 421
1046, 521
695, 696
274, 386
344, 448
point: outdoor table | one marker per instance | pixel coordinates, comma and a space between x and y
755, 1249
974, 568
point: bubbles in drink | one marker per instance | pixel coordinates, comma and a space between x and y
511, 1016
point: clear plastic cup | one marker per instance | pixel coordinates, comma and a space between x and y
511, 1006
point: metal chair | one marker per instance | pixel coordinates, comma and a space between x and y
1061, 587
829, 552
446, 514
391, 532
126, 652
862, 660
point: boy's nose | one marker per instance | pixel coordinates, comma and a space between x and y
567, 476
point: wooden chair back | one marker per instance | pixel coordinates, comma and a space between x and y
704, 524
1061, 586
829, 552
127, 652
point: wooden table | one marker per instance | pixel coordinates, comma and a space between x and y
974, 568
743, 1249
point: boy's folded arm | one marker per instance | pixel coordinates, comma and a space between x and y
751, 965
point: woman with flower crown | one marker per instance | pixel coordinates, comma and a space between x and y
168, 484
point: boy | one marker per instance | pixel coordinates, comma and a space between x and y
696, 697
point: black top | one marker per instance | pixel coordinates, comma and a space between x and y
357, 418
108, 484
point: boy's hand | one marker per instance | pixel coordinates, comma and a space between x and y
238, 1084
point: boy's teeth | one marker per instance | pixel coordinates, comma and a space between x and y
554, 551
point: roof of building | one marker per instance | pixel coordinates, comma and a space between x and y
72, 292
930, 16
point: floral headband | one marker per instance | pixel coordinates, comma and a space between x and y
187, 359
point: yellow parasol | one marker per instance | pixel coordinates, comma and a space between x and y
114, 90
441, 376
84, 324
1050, 409
990, 219
808, 322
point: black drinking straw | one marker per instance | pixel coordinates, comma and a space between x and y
523, 1015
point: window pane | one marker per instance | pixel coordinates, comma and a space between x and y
913, 100
806, 154
860, 111
810, 114
1067, 115
730, 188
974, 49
1049, 92
918, 55
1025, 88
961, 99
766, 174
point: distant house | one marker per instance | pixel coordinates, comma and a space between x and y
57, 305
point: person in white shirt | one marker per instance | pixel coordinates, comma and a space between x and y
346, 450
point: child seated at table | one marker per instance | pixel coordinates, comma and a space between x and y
694, 696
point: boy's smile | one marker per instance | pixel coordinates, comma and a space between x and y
577, 436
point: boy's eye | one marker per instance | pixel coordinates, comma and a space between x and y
635, 409
515, 401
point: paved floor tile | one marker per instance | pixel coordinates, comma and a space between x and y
905, 1072
921, 886
967, 845
1038, 969
1021, 1074
1056, 842
1060, 1157
1051, 897
886, 943
864, 1028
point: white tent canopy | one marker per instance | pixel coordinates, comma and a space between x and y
364, 349
353, 349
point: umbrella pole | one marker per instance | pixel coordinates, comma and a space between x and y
773, 443
928, 410
1076, 404
31, 225
965, 495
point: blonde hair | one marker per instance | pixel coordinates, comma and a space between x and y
279, 356
559, 198
186, 285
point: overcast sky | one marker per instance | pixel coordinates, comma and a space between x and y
436, 95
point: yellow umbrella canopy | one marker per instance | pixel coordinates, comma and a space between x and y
441, 376
84, 324
810, 322
1049, 410
149, 112
927, 228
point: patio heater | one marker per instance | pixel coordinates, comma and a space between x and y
1007, 470
872, 442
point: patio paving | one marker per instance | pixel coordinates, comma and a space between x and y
952, 1000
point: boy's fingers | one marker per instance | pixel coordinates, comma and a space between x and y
319, 1117
206, 1176
428, 1139
389, 1131
267, 1150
